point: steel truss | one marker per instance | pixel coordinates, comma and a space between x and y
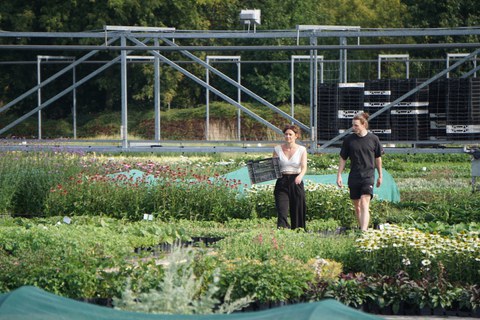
156, 42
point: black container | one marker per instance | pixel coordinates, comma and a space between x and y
463, 132
382, 134
437, 99
377, 95
410, 124
463, 102
438, 127
327, 112
399, 87
350, 96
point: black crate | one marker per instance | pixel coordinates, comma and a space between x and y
436, 135
327, 111
463, 132
350, 96
410, 124
375, 105
437, 98
327, 97
382, 134
381, 122
377, 95
399, 87
326, 133
348, 114
327, 121
411, 104
344, 123
377, 91
438, 124
438, 128
463, 102
377, 85
263, 170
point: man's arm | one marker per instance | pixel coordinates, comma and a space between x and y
378, 165
341, 167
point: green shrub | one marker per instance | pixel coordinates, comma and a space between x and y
63, 259
272, 280
29, 177
264, 244
181, 290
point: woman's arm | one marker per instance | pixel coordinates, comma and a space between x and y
303, 168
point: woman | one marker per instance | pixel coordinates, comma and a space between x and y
289, 190
365, 153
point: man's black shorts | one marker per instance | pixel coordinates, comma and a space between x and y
360, 188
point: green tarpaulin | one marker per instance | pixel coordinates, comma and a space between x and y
31, 303
388, 190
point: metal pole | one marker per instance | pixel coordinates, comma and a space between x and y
343, 61
239, 99
239, 91
207, 101
39, 98
379, 68
313, 86
74, 103
300, 58
124, 129
156, 66
292, 86
315, 92
39, 90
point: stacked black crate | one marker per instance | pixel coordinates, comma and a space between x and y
437, 107
377, 95
327, 124
350, 102
410, 117
463, 109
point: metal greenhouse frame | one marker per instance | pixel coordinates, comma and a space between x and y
152, 44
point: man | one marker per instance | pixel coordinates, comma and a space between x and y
365, 153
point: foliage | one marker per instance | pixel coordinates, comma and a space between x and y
450, 13
267, 244
325, 269
271, 280
29, 177
181, 291
349, 291
63, 259
276, 265
425, 261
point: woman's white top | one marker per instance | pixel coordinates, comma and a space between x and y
292, 165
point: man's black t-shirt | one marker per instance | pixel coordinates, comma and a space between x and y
362, 152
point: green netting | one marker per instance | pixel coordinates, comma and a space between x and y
34, 304
388, 190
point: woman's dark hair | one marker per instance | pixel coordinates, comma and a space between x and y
292, 127
363, 118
